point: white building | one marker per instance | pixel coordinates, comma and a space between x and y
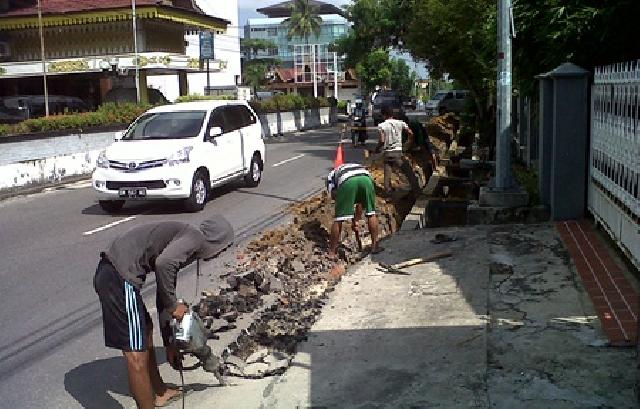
225, 70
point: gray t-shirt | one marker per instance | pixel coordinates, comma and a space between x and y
392, 129
163, 247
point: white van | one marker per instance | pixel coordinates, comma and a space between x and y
180, 152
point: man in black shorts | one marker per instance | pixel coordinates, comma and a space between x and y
165, 248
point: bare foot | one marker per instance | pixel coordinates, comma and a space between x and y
169, 396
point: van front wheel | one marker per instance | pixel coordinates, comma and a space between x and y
199, 193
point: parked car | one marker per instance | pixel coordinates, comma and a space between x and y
448, 101
386, 98
21, 107
180, 152
409, 103
121, 95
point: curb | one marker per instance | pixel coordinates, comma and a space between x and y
40, 187
417, 217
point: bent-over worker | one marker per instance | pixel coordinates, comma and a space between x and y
164, 248
352, 188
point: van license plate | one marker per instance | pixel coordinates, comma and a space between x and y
133, 192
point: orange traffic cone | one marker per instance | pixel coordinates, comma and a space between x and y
339, 157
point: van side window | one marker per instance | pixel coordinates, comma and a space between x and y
217, 119
233, 117
247, 116
449, 95
460, 95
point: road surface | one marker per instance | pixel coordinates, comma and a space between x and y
52, 353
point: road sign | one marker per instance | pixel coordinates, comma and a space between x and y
206, 45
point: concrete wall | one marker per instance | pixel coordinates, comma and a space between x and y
284, 122
34, 162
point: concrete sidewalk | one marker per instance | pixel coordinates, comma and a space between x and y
503, 323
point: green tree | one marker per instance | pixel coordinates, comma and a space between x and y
251, 46
402, 78
378, 69
255, 74
374, 69
304, 21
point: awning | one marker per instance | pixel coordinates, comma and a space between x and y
190, 20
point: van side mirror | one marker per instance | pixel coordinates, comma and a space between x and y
119, 135
214, 131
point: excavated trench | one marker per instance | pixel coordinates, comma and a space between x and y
275, 291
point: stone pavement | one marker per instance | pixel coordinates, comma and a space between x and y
503, 323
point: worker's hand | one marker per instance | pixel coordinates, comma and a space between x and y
179, 312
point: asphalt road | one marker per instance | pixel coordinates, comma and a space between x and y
52, 353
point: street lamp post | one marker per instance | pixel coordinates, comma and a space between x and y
44, 63
135, 48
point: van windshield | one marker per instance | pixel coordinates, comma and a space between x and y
440, 96
166, 125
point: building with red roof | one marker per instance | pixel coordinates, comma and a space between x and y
89, 47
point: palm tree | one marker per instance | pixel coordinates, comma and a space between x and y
304, 21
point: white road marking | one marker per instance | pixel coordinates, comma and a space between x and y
275, 165
108, 226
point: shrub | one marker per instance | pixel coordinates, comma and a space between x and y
107, 114
114, 114
197, 97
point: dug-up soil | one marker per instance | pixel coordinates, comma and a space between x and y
286, 274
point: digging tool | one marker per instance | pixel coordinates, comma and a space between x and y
397, 268
358, 240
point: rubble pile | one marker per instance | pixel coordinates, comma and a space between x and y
291, 266
443, 130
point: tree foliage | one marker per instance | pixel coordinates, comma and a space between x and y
304, 21
255, 74
251, 46
460, 37
377, 68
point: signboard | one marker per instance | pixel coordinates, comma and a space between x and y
206, 45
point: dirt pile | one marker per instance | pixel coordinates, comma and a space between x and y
289, 264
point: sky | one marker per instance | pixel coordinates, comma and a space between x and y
248, 7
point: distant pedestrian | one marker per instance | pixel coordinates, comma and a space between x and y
352, 188
391, 144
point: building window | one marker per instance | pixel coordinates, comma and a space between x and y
255, 29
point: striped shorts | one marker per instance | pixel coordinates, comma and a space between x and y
124, 314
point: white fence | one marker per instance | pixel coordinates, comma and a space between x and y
615, 154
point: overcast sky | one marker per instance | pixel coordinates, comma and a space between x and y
248, 7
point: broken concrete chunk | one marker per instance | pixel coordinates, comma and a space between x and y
235, 361
257, 356
255, 370
277, 367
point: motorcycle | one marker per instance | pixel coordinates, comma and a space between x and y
359, 126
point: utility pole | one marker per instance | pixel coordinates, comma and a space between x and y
503, 191
335, 75
44, 63
135, 48
503, 178
315, 79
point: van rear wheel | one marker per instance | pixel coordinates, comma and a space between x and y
253, 177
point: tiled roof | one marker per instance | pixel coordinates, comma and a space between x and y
283, 9
77, 6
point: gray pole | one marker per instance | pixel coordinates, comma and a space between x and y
44, 64
504, 88
135, 48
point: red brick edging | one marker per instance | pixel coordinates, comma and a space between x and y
615, 300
